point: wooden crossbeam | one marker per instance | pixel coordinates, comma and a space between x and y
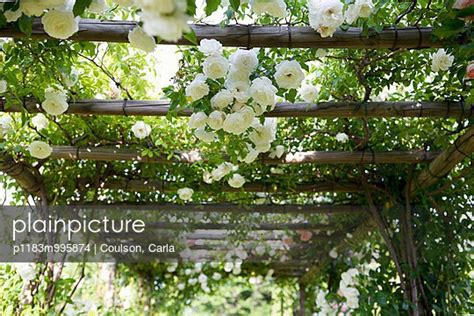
462, 148
244, 226
320, 157
254, 36
239, 209
21, 173
284, 109
138, 185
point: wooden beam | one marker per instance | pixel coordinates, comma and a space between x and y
253, 36
138, 185
238, 226
239, 209
440, 167
320, 157
21, 173
284, 109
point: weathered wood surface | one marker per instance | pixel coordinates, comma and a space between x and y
461, 149
254, 36
21, 173
284, 109
319, 157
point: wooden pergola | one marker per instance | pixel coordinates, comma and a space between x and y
438, 164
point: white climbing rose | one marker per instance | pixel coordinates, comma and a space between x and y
325, 16
215, 66
216, 120
251, 155
97, 6
60, 24
263, 92
5, 124
124, 3
141, 130
216, 276
278, 152
342, 137
202, 134
139, 39
239, 89
210, 47
333, 253
222, 99
161, 6
248, 114
244, 60
51, 92
236, 181
222, 170
39, 121
289, 74
197, 120
441, 61
12, 16
197, 89
276, 8
309, 93
168, 27
237, 74
235, 124
55, 105
3, 86
359, 9
185, 193
26, 271
40, 150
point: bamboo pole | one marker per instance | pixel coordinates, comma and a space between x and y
138, 185
253, 36
320, 157
462, 148
284, 109
21, 173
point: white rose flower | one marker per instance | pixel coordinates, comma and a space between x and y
320, 53
168, 27
185, 193
51, 92
278, 152
207, 177
141, 130
55, 105
222, 99
124, 3
97, 6
359, 9
263, 92
32, 7
216, 120
342, 137
309, 93
12, 16
3, 86
210, 47
244, 60
161, 6
289, 74
197, 120
236, 74
197, 89
239, 89
236, 181
441, 61
222, 170
276, 8
333, 254
181, 286
248, 114
139, 39
202, 278
251, 156
235, 124
26, 271
39, 121
60, 24
325, 16
262, 136
216, 276
40, 150
215, 66
207, 137
5, 124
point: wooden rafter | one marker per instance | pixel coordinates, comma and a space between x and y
284, 109
254, 36
461, 149
320, 157
21, 173
139, 185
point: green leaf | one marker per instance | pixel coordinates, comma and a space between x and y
191, 37
465, 12
25, 24
80, 6
291, 95
235, 4
211, 6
